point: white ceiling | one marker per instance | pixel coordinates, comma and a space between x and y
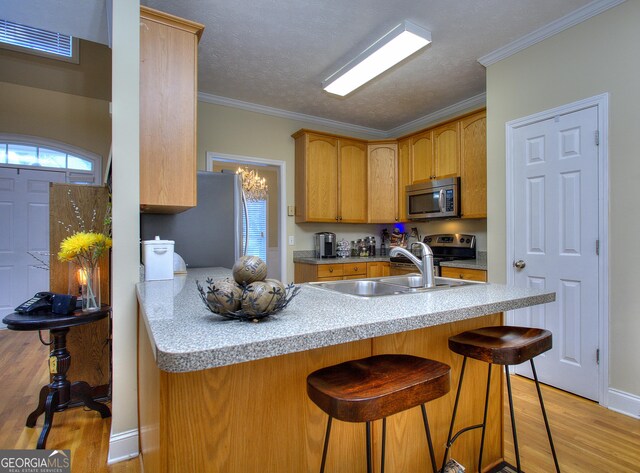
276, 53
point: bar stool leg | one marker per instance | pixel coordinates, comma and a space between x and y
484, 417
513, 419
453, 416
369, 466
432, 454
384, 437
326, 445
544, 416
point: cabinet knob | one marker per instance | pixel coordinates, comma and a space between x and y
355, 269
461, 276
330, 269
336, 218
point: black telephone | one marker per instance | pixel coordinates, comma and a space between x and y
41, 302
48, 302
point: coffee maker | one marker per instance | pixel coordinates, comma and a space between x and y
325, 244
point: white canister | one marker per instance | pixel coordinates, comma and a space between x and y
157, 257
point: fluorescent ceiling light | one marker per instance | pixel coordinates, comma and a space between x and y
398, 44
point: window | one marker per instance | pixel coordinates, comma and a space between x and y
45, 43
257, 246
24, 151
32, 155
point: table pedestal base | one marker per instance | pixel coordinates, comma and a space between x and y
55, 397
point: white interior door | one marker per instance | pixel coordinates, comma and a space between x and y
24, 227
555, 233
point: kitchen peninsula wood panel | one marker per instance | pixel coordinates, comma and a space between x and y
256, 416
168, 100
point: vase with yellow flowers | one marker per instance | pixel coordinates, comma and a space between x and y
84, 249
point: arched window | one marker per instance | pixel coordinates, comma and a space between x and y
22, 151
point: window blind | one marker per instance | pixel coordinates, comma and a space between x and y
257, 246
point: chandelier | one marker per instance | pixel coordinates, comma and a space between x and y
254, 187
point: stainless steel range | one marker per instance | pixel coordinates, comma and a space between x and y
445, 247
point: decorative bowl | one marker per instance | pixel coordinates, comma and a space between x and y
256, 301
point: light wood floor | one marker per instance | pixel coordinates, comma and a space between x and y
588, 438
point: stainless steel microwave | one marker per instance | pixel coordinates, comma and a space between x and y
434, 199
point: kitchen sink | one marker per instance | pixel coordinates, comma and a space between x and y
389, 286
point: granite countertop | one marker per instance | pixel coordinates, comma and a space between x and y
187, 337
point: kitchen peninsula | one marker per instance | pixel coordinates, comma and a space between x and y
222, 395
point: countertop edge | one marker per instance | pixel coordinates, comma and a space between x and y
228, 355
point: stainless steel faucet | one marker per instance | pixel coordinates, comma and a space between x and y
425, 265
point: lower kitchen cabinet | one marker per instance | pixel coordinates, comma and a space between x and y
304, 272
463, 273
378, 269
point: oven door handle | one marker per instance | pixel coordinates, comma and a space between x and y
441, 201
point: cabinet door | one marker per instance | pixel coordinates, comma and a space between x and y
446, 140
422, 156
321, 180
473, 165
168, 98
404, 176
352, 185
377, 269
383, 196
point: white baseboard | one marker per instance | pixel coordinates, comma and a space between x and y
123, 446
624, 403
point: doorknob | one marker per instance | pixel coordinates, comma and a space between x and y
519, 264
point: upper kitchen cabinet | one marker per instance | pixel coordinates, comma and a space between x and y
473, 163
422, 156
446, 144
404, 176
383, 182
331, 178
168, 98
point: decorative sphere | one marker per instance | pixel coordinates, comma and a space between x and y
225, 297
278, 288
257, 298
249, 269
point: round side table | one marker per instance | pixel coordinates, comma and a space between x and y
55, 396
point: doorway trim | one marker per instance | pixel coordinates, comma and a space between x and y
282, 175
602, 102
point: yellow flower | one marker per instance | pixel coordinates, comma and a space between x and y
84, 247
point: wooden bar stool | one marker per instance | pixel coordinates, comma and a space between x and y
376, 387
506, 346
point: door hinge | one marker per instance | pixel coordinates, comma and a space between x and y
598, 247
597, 137
597, 356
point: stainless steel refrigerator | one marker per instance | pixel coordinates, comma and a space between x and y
209, 234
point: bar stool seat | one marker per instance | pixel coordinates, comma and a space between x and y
376, 387
500, 345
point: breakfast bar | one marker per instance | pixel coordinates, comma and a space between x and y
226, 395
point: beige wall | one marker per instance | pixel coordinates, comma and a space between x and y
594, 57
90, 78
79, 121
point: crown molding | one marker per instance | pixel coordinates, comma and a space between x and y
477, 101
277, 112
578, 16
467, 105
